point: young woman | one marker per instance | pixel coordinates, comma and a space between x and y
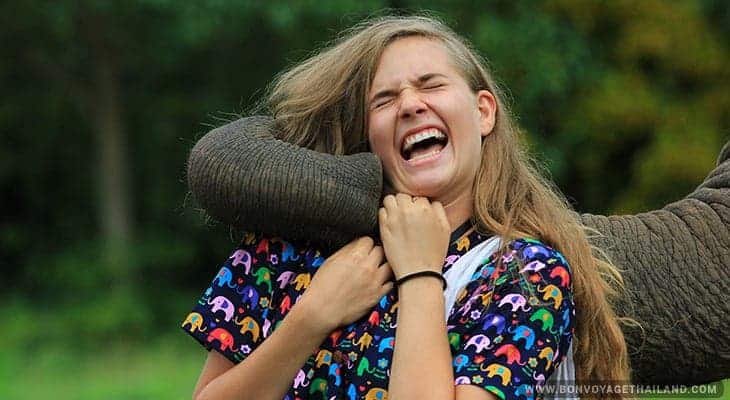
525, 293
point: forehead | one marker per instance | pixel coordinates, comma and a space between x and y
408, 58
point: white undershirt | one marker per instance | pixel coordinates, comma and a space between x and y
459, 275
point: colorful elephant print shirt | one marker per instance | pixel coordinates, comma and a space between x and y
509, 328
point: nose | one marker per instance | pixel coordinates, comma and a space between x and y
411, 104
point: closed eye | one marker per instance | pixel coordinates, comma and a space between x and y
383, 102
434, 86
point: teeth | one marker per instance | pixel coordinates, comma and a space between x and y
420, 136
424, 156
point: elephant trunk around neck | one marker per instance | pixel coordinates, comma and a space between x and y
674, 260
241, 175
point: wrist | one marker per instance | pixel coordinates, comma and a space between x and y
312, 318
420, 283
422, 274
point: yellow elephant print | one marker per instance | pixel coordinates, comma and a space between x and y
196, 322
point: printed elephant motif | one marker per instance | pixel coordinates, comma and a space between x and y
516, 301
324, 357
450, 260
386, 343
335, 336
511, 352
548, 354
525, 390
480, 342
224, 337
552, 292
300, 380
534, 251
364, 341
523, 332
250, 296
334, 371
376, 394
364, 366
374, 318
545, 317
196, 322
263, 275
319, 385
241, 256
263, 246
205, 298
288, 252
285, 278
499, 370
351, 392
463, 243
285, 305
224, 278
564, 275
221, 303
248, 324
533, 266
454, 340
302, 281
314, 259
494, 320
460, 362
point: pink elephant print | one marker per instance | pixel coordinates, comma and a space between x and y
241, 256
480, 342
221, 303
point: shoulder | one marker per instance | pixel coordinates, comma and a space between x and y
533, 263
534, 255
276, 251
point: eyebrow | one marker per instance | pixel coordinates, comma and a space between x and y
420, 81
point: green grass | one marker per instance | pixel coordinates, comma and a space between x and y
164, 368
73, 355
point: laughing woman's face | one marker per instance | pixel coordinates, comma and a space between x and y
425, 123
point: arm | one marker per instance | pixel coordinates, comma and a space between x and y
422, 353
344, 287
275, 362
688, 240
421, 338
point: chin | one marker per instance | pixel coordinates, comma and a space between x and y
431, 188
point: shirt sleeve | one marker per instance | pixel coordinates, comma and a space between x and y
232, 315
513, 327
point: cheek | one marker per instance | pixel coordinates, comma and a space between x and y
379, 139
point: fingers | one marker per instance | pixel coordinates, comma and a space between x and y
438, 208
384, 273
376, 256
389, 202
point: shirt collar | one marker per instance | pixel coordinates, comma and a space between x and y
463, 238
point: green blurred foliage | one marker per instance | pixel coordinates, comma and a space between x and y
627, 102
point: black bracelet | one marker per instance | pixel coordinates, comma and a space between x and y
421, 273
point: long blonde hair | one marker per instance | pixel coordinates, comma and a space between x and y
320, 104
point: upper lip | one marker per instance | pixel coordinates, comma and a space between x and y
418, 129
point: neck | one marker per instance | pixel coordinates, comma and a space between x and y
459, 209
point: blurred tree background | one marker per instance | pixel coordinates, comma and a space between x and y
102, 250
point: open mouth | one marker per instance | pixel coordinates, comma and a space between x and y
423, 144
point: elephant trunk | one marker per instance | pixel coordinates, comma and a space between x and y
241, 175
675, 263
675, 260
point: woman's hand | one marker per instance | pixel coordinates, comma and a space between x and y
348, 284
415, 234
